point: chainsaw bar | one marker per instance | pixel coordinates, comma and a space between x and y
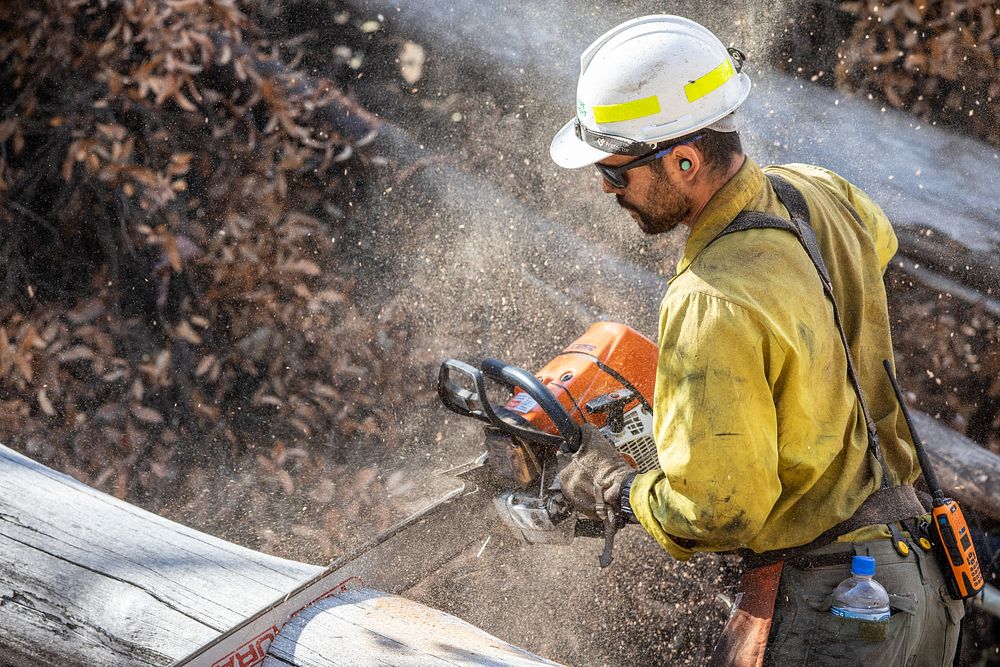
441, 529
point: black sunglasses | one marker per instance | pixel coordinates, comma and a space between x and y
616, 175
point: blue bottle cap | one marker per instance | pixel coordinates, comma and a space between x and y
864, 565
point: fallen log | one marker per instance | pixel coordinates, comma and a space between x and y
86, 579
965, 470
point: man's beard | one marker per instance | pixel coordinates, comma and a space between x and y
660, 216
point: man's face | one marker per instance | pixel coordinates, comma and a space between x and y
653, 195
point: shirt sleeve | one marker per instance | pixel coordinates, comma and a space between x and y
871, 214
715, 427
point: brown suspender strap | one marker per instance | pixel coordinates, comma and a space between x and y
798, 211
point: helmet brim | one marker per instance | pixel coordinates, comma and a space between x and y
569, 152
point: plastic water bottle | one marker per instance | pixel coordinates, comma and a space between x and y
859, 596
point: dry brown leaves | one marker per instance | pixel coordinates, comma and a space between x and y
175, 313
948, 355
176, 65
939, 60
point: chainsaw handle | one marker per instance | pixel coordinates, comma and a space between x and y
461, 399
569, 437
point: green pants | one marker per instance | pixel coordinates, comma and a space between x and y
922, 631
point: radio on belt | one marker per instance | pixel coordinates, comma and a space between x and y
949, 536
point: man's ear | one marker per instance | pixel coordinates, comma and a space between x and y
687, 161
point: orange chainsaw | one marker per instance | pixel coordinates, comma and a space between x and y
604, 378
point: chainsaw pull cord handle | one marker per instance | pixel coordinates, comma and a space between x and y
518, 378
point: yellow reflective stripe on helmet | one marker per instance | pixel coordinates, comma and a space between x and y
703, 85
614, 113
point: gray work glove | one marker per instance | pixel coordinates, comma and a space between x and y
592, 479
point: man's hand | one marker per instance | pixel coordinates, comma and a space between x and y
592, 480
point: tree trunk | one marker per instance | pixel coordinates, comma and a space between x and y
86, 579
965, 470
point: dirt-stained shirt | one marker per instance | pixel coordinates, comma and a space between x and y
760, 437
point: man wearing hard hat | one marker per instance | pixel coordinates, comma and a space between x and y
778, 432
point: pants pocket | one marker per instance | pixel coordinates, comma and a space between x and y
850, 641
954, 612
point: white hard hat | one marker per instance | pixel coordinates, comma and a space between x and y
647, 81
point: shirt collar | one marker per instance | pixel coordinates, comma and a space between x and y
743, 188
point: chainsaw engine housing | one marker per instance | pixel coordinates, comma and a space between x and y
607, 358
604, 378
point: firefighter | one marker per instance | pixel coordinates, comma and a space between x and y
778, 438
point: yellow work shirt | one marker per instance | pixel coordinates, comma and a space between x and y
761, 440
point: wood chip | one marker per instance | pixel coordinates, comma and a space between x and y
146, 414
301, 266
45, 404
76, 353
88, 311
185, 331
411, 62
